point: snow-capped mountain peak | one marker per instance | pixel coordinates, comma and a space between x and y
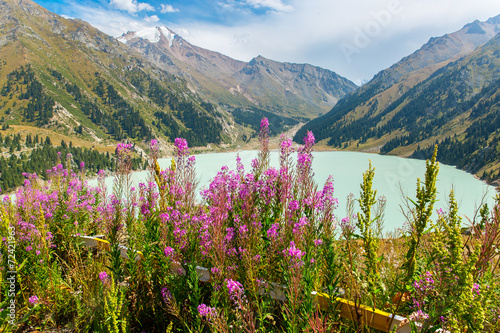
151, 34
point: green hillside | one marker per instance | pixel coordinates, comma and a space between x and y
456, 107
67, 76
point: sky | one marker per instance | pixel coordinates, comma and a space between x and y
356, 38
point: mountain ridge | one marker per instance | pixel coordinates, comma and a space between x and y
93, 81
409, 106
201, 67
67, 77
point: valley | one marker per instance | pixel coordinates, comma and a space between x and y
65, 79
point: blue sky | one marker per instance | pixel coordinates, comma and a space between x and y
355, 38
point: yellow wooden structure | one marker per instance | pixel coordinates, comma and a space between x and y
369, 316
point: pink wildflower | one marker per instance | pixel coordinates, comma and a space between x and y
34, 300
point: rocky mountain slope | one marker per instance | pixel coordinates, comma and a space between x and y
69, 78
459, 108
66, 76
282, 88
428, 96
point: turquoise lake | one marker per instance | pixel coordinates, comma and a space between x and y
393, 175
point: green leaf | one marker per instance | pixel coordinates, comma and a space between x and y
413, 202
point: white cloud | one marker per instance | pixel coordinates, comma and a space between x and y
314, 30
113, 23
276, 5
165, 8
131, 6
144, 6
152, 19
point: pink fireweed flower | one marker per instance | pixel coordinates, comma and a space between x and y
318, 242
286, 149
309, 140
236, 292
419, 316
299, 227
34, 300
123, 159
207, 312
264, 124
286, 144
123, 148
294, 254
304, 160
181, 147
347, 225
255, 163
154, 148
169, 252
215, 272
239, 166
263, 158
229, 235
231, 252
166, 295
103, 276
145, 209
424, 284
475, 289
293, 206
243, 229
328, 190
272, 233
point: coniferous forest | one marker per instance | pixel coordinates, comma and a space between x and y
20, 156
457, 106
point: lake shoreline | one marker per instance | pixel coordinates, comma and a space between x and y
325, 148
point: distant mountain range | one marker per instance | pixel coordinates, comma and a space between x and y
284, 88
447, 92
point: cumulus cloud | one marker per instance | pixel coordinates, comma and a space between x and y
309, 31
131, 6
114, 23
165, 8
276, 5
314, 31
152, 18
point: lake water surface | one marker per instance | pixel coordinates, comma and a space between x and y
392, 174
